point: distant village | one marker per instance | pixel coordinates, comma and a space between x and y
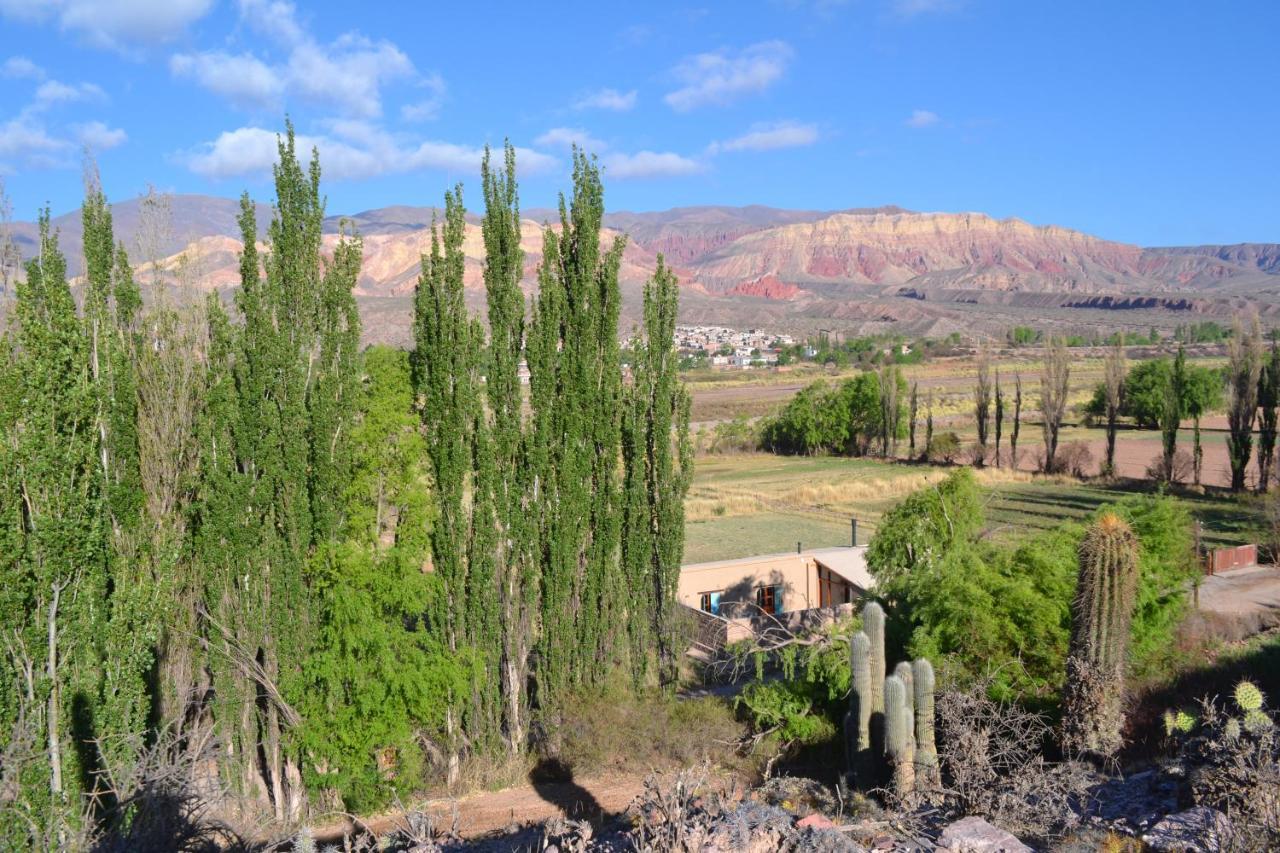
718, 346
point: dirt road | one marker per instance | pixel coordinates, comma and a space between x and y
487, 812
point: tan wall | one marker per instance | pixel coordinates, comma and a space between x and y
738, 579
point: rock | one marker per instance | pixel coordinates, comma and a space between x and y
815, 821
1196, 830
975, 835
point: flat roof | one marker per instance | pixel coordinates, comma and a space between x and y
849, 562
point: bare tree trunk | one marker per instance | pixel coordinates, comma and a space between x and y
55, 697
1053, 398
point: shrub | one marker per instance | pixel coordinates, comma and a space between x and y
999, 611
944, 448
1075, 458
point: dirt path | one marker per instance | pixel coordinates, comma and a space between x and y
487, 812
1243, 592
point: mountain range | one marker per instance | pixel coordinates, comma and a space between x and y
856, 270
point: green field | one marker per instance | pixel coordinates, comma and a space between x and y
756, 503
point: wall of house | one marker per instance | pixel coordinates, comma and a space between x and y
737, 580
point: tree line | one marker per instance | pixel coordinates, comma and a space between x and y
312, 569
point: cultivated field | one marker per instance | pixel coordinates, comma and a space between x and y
759, 503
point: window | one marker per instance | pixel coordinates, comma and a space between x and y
769, 599
709, 602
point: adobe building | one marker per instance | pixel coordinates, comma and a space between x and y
776, 583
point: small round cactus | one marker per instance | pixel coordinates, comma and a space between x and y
1231, 729
1248, 697
1180, 722
1256, 721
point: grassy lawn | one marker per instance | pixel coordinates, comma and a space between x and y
757, 503
1017, 509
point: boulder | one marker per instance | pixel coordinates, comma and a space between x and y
1197, 830
975, 835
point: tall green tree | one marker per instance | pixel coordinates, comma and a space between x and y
658, 470
447, 365
56, 597
1172, 413
378, 679
1244, 366
1268, 414
510, 483
281, 405
575, 397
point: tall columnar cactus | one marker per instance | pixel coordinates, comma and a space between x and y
1101, 613
899, 740
926, 748
857, 725
873, 627
903, 671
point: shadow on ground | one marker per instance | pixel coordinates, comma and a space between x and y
552, 779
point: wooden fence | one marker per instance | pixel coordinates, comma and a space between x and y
1222, 559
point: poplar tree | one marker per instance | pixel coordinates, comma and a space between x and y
447, 362
1114, 373
1268, 414
511, 482
575, 397
659, 468
999, 417
283, 390
982, 400
1017, 420
55, 598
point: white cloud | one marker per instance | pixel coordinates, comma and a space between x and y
242, 79
53, 92
99, 136
277, 19
767, 137
21, 68
922, 118
428, 108
567, 137
607, 99
346, 75
353, 150
649, 164
28, 142
116, 24
723, 76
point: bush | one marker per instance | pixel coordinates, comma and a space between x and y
1075, 458
944, 449
1001, 612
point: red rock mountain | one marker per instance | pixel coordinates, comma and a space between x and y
858, 269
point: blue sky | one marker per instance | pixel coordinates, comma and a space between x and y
1154, 123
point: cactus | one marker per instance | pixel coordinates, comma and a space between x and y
922, 680
899, 741
858, 720
1256, 721
903, 671
1101, 613
873, 627
1248, 697
1231, 729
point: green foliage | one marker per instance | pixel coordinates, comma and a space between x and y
378, 678
657, 475
848, 419
922, 529
1002, 611
802, 705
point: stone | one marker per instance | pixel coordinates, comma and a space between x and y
1197, 830
815, 821
975, 835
